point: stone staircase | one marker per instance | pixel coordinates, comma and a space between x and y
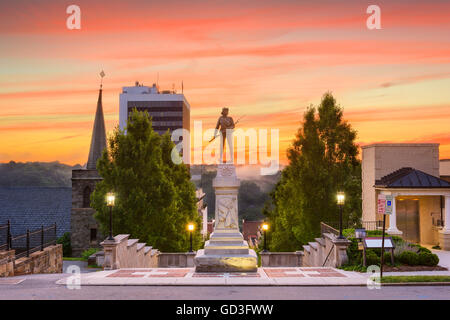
327, 251
129, 253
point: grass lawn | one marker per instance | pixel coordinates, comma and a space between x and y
73, 259
403, 279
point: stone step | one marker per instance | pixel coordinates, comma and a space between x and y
147, 249
132, 242
221, 251
314, 245
320, 241
225, 248
226, 242
140, 246
121, 237
222, 232
307, 248
226, 236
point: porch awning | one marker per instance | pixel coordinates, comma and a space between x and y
411, 178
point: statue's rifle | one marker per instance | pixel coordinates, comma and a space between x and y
234, 125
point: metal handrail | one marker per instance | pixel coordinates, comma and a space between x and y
43, 243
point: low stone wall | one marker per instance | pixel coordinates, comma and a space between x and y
327, 251
282, 259
50, 260
176, 260
7, 263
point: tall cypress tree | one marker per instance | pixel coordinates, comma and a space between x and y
322, 161
155, 198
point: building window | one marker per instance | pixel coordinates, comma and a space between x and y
87, 197
93, 235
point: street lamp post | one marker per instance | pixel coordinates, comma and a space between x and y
340, 202
191, 229
265, 227
110, 201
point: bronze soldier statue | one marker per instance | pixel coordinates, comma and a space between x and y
225, 123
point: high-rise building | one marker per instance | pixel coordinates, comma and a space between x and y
168, 109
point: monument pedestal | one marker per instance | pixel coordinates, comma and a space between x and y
226, 250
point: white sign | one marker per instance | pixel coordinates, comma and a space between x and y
389, 204
376, 243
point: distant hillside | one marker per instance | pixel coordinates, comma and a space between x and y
36, 174
253, 192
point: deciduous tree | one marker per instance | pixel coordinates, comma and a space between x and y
155, 199
322, 161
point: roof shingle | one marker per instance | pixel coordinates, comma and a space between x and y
411, 178
32, 207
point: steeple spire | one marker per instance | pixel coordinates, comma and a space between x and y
98, 140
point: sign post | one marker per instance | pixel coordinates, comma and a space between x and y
384, 207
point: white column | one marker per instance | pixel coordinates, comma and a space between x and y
446, 228
393, 219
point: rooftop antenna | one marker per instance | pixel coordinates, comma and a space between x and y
157, 79
182, 87
102, 74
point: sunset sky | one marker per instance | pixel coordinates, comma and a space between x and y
267, 60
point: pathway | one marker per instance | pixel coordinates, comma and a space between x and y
188, 276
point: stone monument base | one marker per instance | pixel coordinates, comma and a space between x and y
226, 251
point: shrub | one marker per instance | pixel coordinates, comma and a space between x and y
372, 258
387, 258
428, 259
404, 247
420, 248
350, 232
65, 241
409, 258
397, 240
87, 253
354, 255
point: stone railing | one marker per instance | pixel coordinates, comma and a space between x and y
327, 251
123, 252
49, 260
282, 259
176, 260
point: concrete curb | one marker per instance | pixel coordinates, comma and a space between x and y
409, 284
416, 284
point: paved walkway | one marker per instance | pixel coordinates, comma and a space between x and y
444, 258
188, 276
444, 261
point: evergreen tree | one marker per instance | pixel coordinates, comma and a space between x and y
322, 161
155, 199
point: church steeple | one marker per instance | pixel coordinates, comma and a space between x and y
98, 140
